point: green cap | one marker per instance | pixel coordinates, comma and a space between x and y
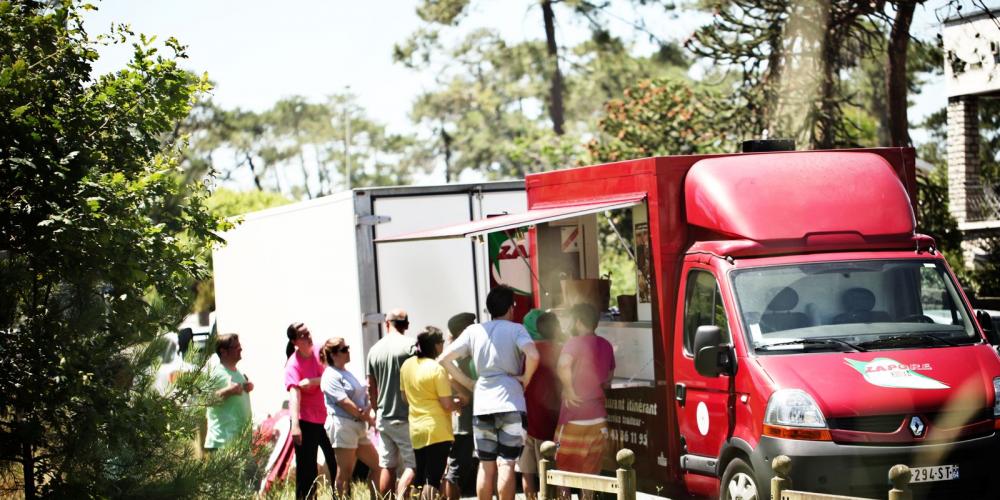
531, 323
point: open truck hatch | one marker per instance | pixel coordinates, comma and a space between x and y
540, 214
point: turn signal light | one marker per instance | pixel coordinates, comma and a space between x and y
802, 433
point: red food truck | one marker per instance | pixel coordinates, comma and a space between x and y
784, 304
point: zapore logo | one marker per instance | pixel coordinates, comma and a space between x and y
885, 372
871, 368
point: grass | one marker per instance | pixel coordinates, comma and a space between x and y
286, 490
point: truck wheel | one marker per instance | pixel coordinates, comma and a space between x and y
738, 482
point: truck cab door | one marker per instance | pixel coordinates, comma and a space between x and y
702, 403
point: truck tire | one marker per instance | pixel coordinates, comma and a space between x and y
738, 482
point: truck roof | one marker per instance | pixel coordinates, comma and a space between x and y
758, 203
799, 196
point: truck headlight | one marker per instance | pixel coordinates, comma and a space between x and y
796, 408
996, 397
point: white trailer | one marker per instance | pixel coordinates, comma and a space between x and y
315, 262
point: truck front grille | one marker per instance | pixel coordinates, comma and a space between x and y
895, 429
887, 424
876, 423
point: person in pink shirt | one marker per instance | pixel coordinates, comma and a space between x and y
586, 366
303, 371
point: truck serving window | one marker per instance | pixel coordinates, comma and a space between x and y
870, 305
702, 306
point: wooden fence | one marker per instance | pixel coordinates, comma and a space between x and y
622, 485
781, 484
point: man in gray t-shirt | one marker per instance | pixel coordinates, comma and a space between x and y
384, 360
498, 406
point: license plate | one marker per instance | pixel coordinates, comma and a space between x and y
933, 473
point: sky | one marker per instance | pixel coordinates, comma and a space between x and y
259, 51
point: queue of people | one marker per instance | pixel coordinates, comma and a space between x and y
491, 396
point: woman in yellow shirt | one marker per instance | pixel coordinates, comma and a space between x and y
425, 385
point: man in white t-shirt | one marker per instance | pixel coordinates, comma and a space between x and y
496, 348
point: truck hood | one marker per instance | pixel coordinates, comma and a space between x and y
847, 384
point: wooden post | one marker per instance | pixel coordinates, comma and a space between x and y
782, 466
547, 462
625, 474
899, 476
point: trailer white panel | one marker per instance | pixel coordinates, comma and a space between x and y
288, 264
315, 262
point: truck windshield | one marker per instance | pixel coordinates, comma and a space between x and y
851, 305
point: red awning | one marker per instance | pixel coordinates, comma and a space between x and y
539, 214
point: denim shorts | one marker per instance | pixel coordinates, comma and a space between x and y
498, 435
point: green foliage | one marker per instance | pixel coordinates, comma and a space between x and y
480, 108
794, 69
491, 110
229, 203
442, 11
101, 241
298, 148
605, 68
933, 216
653, 117
988, 275
617, 264
989, 148
657, 117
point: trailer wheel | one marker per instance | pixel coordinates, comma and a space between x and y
738, 482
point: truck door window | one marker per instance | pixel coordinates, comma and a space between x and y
702, 306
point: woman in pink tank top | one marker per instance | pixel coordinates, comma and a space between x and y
305, 405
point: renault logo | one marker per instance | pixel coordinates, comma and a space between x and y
917, 426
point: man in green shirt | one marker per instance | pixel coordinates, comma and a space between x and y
384, 361
231, 414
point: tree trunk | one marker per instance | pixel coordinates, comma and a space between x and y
28, 467
825, 134
879, 106
302, 158
253, 172
829, 113
896, 88
321, 172
446, 142
766, 116
305, 173
556, 88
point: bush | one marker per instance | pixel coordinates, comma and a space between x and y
100, 242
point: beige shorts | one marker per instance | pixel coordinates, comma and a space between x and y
527, 463
348, 433
395, 446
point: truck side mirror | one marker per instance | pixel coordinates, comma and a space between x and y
986, 322
711, 357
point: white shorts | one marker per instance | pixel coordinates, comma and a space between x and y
395, 444
346, 432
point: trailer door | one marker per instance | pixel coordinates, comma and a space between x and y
431, 280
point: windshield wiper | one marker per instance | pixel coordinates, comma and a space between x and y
909, 338
942, 340
823, 341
